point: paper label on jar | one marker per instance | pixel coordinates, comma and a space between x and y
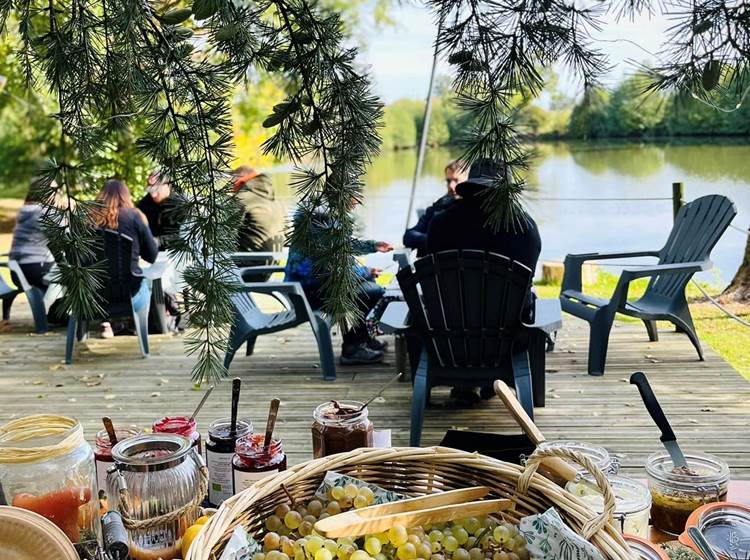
244, 480
219, 476
101, 473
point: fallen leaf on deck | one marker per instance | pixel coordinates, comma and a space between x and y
707, 409
57, 367
624, 380
555, 396
37, 382
109, 397
628, 404
693, 421
551, 370
72, 400
163, 381
59, 385
40, 396
156, 394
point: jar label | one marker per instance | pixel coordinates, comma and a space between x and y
101, 473
244, 480
219, 476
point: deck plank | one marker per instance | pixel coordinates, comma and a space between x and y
707, 402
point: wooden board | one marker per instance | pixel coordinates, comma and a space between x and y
708, 403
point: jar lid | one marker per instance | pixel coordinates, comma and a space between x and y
727, 530
597, 454
644, 549
703, 470
631, 496
151, 452
221, 429
340, 412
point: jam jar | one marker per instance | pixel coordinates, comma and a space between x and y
340, 426
219, 453
103, 452
677, 492
182, 426
632, 502
598, 455
252, 461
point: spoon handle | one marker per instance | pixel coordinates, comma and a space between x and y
236, 386
272, 414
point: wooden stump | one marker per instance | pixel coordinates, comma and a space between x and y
552, 273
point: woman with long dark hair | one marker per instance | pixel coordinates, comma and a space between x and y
117, 212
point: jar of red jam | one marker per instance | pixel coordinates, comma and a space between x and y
340, 426
180, 425
103, 452
219, 453
252, 461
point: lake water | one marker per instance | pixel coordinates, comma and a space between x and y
581, 171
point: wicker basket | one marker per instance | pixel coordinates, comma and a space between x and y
416, 472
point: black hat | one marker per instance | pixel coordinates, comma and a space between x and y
483, 174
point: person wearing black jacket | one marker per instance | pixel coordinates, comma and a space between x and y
158, 207
416, 237
464, 226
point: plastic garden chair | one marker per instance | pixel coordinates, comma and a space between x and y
466, 308
697, 228
250, 321
115, 252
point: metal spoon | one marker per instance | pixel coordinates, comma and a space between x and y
200, 404
700, 541
380, 392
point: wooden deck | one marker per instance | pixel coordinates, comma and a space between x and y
707, 402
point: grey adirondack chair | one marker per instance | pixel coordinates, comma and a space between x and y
466, 308
115, 252
7, 294
250, 321
698, 227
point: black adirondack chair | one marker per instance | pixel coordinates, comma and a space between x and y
250, 321
698, 227
466, 307
115, 252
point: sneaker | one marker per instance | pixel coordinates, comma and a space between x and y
107, 331
465, 395
361, 354
377, 344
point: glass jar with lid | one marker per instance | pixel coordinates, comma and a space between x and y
159, 484
676, 492
219, 453
103, 452
252, 461
632, 501
47, 467
180, 425
340, 426
597, 454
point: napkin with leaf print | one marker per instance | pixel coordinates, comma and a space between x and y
549, 538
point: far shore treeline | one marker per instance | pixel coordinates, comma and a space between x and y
623, 112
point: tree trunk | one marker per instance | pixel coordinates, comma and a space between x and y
739, 289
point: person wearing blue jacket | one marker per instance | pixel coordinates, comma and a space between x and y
358, 346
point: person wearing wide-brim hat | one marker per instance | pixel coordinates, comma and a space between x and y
464, 225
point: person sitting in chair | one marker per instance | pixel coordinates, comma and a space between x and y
358, 346
117, 212
416, 237
464, 226
158, 207
264, 217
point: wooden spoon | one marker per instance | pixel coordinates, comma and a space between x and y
553, 465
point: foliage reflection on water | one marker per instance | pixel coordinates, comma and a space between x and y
581, 170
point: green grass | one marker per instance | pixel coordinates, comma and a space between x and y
727, 337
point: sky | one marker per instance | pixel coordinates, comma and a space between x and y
400, 57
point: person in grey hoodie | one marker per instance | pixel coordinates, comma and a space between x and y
29, 245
